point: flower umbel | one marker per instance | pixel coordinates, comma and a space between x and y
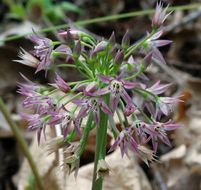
114, 95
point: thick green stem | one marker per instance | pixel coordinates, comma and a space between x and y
22, 143
101, 143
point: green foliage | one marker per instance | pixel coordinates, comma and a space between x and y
17, 11
57, 12
44, 8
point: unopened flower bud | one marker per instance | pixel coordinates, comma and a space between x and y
78, 48
99, 47
126, 39
159, 16
73, 34
113, 51
112, 39
119, 57
70, 59
61, 84
70, 39
147, 60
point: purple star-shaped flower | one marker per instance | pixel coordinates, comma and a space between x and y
125, 141
117, 89
157, 130
35, 122
65, 119
166, 104
156, 105
42, 50
154, 43
94, 105
28, 88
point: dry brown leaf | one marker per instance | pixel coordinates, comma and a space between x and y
125, 174
177, 153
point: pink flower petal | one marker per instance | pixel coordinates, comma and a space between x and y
128, 84
158, 56
83, 112
105, 79
104, 107
129, 109
97, 116
126, 97
100, 92
114, 100
160, 43
80, 102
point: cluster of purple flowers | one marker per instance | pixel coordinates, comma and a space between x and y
115, 82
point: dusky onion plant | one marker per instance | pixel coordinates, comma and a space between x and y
114, 84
